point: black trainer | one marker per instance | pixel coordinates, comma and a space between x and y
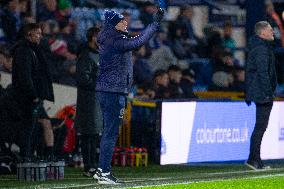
265, 167
105, 178
256, 165
90, 173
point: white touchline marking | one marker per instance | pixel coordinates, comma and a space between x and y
135, 179
150, 179
156, 185
247, 171
129, 181
204, 181
75, 185
267, 176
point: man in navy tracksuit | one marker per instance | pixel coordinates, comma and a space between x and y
114, 81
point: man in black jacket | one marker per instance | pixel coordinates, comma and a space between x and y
260, 84
88, 115
31, 83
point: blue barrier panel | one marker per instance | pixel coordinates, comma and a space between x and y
216, 131
221, 131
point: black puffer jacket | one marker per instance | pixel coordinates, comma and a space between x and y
31, 77
261, 79
88, 115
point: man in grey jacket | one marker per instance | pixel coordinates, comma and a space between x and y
260, 83
114, 81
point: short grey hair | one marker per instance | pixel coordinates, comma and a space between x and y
259, 26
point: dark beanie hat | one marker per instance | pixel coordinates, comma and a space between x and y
112, 17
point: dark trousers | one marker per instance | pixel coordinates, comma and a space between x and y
112, 107
262, 118
28, 132
30, 112
89, 150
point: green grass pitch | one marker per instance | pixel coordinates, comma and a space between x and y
197, 176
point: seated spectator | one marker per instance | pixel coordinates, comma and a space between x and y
142, 74
239, 79
5, 61
46, 10
11, 20
187, 82
222, 81
184, 21
3, 38
66, 34
162, 56
59, 47
278, 30
228, 42
55, 61
224, 61
28, 18
147, 12
60, 42
23, 6
53, 27
135, 27
276, 23
67, 66
64, 11
65, 45
175, 75
212, 43
161, 85
179, 45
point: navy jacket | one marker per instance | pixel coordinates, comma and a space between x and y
261, 77
116, 69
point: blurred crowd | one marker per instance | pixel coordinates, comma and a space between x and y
174, 64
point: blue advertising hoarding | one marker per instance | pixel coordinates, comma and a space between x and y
221, 130
216, 131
